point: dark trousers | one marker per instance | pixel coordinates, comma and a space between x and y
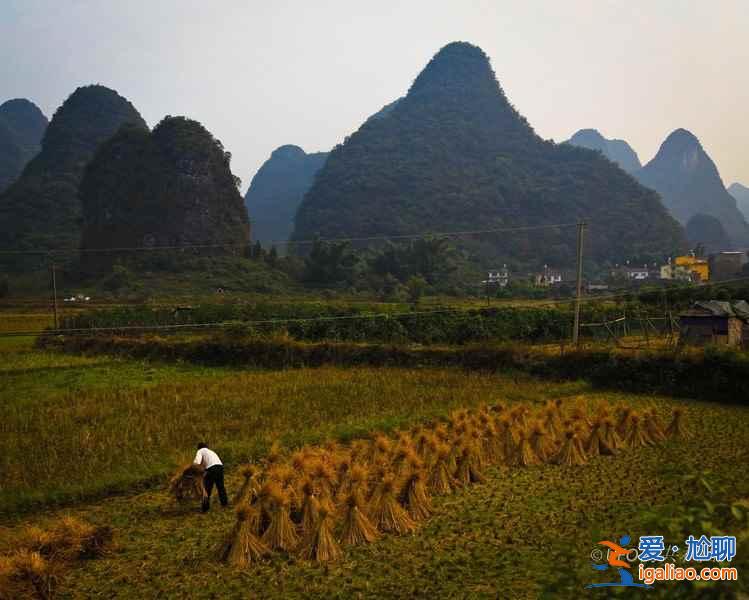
214, 475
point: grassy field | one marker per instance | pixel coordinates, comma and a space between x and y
98, 437
129, 422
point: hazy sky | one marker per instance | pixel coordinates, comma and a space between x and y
262, 74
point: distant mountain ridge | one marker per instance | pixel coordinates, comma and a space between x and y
707, 231
277, 189
454, 155
617, 151
689, 184
41, 210
741, 194
22, 127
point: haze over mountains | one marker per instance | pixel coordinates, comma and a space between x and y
689, 184
709, 232
617, 151
277, 189
455, 155
22, 126
452, 155
741, 195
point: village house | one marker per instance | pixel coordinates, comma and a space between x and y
548, 277
673, 272
635, 273
500, 277
699, 266
715, 322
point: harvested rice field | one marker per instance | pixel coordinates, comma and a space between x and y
97, 439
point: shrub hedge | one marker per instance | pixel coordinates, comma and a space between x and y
359, 323
714, 375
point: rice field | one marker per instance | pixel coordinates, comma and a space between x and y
129, 423
527, 532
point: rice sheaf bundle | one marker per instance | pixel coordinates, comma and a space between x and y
324, 478
597, 445
310, 507
526, 455
187, 483
280, 534
609, 434
27, 575
509, 442
381, 448
570, 452
635, 436
440, 479
469, 466
492, 443
552, 419
653, 427
415, 496
541, 442
250, 486
320, 543
622, 423
387, 514
242, 547
357, 528
422, 443
676, 426
476, 440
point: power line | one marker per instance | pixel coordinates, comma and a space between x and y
410, 236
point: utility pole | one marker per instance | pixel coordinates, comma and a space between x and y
54, 291
578, 296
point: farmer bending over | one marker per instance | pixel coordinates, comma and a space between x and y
214, 473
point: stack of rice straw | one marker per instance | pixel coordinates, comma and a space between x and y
42, 556
187, 483
319, 500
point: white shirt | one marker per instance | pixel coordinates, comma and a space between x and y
207, 458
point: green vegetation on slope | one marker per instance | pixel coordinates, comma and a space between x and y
169, 187
454, 155
41, 210
22, 126
708, 233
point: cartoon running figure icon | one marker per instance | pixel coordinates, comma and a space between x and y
613, 555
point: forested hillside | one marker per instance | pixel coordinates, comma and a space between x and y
22, 126
171, 187
41, 210
455, 155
